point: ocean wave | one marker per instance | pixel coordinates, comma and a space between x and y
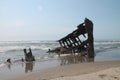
15, 49
106, 42
18, 48
25, 42
19, 45
45, 45
105, 48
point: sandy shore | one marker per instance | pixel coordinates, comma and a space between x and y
108, 74
82, 71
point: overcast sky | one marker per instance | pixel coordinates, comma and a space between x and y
53, 19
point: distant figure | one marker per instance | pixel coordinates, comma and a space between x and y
9, 60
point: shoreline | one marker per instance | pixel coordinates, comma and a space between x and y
66, 66
68, 71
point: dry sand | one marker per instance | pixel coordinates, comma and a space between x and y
81, 71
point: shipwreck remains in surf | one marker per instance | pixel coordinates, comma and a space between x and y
72, 43
28, 55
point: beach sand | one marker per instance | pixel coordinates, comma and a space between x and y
108, 74
109, 70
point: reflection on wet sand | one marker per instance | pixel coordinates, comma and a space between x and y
29, 66
71, 59
9, 66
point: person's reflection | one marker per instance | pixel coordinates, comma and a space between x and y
71, 59
29, 66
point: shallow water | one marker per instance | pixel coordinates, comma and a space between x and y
104, 51
109, 55
11, 70
14, 49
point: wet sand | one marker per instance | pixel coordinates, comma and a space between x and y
66, 67
108, 74
79, 71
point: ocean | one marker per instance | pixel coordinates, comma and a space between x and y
14, 49
104, 51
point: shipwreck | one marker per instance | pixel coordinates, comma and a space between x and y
72, 43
